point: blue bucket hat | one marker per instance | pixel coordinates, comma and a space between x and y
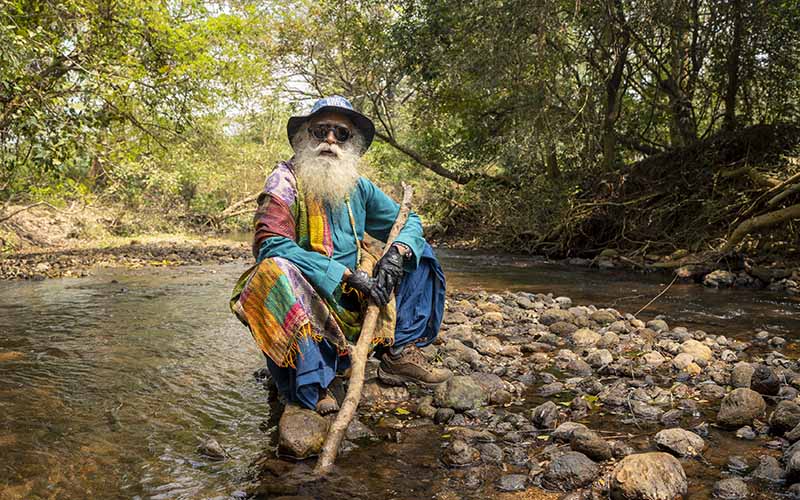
338, 104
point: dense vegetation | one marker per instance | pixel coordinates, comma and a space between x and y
555, 126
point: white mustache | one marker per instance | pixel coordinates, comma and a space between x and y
333, 148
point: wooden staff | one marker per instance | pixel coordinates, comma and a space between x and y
358, 360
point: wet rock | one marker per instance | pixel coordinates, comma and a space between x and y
742, 374
301, 432
565, 431
210, 448
375, 392
570, 471
785, 417
590, 444
491, 453
680, 442
794, 434
512, 482
672, 417
550, 389
648, 476
357, 430
645, 411
737, 464
551, 316
460, 393
697, 349
579, 367
458, 453
765, 381
545, 416
719, 279
731, 489
712, 391
793, 467
769, 469
443, 415
740, 407
747, 433
584, 337
794, 491
621, 449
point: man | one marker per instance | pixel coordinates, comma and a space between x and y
306, 296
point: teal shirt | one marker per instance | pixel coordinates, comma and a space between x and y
374, 213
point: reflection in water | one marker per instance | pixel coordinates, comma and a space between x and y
109, 383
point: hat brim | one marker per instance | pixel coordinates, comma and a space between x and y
364, 125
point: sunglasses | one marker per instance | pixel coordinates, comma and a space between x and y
320, 132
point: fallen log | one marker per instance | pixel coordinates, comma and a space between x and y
358, 361
760, 222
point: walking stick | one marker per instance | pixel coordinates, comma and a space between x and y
358, 361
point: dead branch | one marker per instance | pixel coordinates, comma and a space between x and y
358, 361
760, 222
12, 214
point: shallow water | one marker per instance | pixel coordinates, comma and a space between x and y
109, 383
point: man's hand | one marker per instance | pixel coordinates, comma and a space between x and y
388, 272
361, 281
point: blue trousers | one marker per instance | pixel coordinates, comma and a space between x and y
420, 306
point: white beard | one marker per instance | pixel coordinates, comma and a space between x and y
326, 177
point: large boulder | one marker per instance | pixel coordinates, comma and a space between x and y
570, 471
301, 432
648, 476
460, 393
740, 407
680, 442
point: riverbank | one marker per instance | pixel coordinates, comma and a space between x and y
556, 400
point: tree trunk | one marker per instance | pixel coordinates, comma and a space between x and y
732, 66
613, 90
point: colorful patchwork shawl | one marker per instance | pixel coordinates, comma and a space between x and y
275, 300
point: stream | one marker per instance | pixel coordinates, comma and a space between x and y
109, 383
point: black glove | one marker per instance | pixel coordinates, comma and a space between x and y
388, 272
361, 281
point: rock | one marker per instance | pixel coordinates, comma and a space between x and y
740, 407
619, 326
357, 430
793, 467
697, 349
591, 445
654, 358
603, 317
671, 417
579, 367
570, 471
765, 381
712, 391
550, 389
769, 469
648, 476
682, 360
785, 417
565, 431
794, 434
501, 397
512, 482
562, 328
301, 432
375, 393
737, 464
645, 411
742, 374
747, 433
443, 415
584, 337
210, 448
719, 279
545, 416
459, 453
491, 453
599, 358
680, 442
731, 489
460, 393
492, 317
657, 325
455, 318
551, 316
609, 339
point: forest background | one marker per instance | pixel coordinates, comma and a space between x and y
557, 127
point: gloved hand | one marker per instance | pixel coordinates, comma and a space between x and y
361, 281
387, 272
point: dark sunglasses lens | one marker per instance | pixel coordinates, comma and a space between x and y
341, 134
319, 133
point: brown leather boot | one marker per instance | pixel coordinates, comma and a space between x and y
410, 366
